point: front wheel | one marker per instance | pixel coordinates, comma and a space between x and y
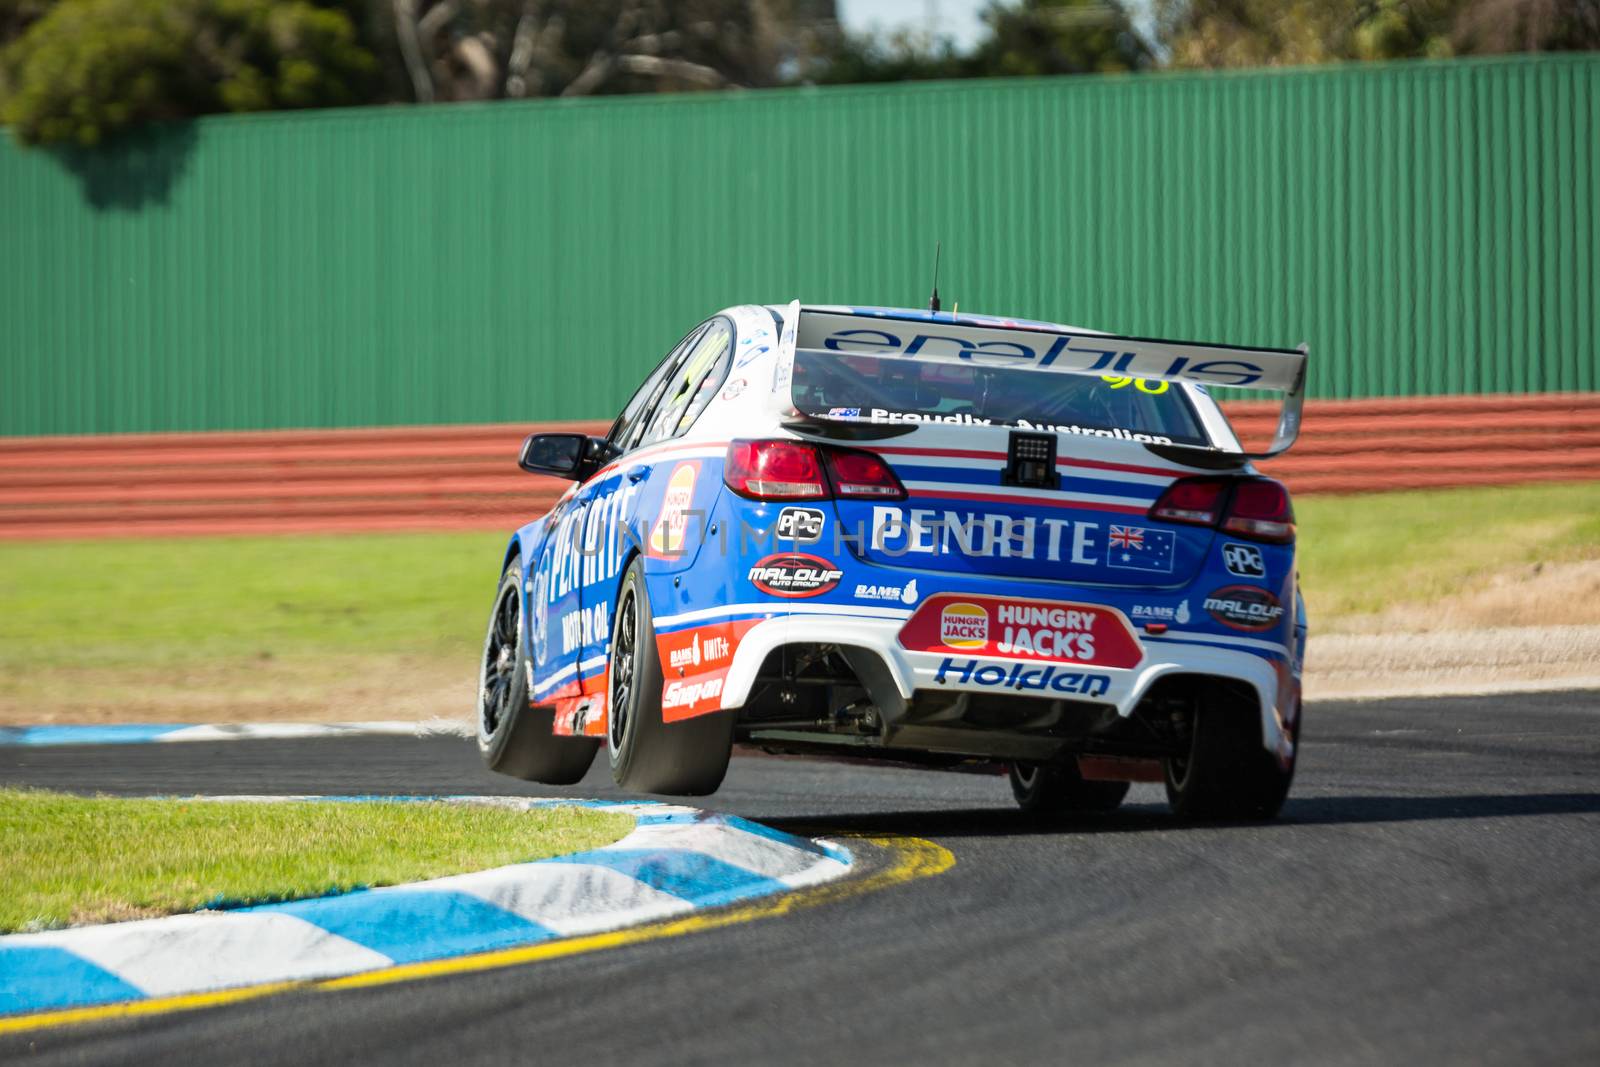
1055, 792
513, 738
648, 754
1227, 774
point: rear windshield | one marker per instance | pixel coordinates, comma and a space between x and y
895, 389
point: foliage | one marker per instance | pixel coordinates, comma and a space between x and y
1060, 37
17, 15
1491, 26
1255, 33
1030, 37
515, 48
857, 58
79, 70
89, 68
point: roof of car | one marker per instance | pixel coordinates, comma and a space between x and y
948, 318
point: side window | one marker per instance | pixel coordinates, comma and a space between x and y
692, 383
629, 423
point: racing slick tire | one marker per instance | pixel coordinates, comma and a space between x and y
648, 754
1227, 774
514, 738
1055, 792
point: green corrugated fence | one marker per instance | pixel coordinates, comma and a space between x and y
1429, 228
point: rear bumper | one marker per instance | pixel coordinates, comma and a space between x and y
1261, 665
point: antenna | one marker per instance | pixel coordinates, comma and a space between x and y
933, 301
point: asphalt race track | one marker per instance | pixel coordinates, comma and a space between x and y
1432, 894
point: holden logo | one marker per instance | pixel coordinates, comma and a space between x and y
963, 625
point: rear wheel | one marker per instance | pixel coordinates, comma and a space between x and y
513, 738
649, 755
1227, 774
1053, 792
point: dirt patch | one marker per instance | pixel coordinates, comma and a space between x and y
343, 688
1537, 596
1529, 628
1439, 662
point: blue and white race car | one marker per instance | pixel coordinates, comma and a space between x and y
939, 539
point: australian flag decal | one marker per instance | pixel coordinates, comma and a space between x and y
1134, 548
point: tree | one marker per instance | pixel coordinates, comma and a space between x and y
1254, 33
17, 15
1026, 37
88, 68
854, 58
483, 49
1060, 37
1489, 26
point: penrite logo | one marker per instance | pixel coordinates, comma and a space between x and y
1244, 607
794, 574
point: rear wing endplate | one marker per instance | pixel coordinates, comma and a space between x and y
1036, 347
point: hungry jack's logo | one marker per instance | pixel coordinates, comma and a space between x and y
964, 625
671, 528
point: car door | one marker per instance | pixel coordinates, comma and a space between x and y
568, 558
648, 501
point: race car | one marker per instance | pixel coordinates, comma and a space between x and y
931, 538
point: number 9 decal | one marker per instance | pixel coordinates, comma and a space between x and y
1150, 386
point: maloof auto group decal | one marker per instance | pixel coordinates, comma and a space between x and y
1244, 607
794, 574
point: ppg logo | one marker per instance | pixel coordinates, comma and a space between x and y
1244, 560
800, 524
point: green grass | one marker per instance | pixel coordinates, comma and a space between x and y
194, 599
1364, 554
389, 625
69, 859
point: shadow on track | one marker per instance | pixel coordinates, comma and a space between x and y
1308, 811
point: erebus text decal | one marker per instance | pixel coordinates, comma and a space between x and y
1085, 354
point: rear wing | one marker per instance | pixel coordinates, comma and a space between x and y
934, 338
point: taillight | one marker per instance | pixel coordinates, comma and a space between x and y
794, 470
1257, 508
862, 474
1196, 501
774, 470
1260, 509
